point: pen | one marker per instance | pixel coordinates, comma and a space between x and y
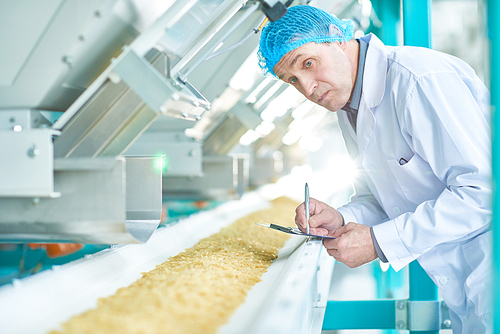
307, 208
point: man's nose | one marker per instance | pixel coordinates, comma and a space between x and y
309, 87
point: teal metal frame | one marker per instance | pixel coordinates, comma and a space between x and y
494, 36
381, 314
417, 23
388, 13
360, 314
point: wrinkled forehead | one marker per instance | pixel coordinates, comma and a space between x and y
290, 59
284, 64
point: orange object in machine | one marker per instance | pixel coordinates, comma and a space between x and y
57, 250
201, 204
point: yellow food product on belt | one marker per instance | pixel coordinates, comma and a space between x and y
197, 290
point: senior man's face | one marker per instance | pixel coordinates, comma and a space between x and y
321, 72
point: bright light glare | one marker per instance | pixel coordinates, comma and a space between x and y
278, 155
161, 163
264, 128
245, 76
267, 95
303, 109
343, 168
359, 34
384, 266
249, 137
311, 142
301, 172
302, 127
281, 104
366, 9
218, 47
291, 137
271, 112
252, 98
261, 131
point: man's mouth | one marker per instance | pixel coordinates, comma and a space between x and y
322, 97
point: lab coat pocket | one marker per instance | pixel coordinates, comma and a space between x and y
416, 179
478, 284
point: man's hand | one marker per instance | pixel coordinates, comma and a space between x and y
353, 246
323, 218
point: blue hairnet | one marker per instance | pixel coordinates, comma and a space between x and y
300, 25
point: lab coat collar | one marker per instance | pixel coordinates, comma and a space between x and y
374, 78
375, 71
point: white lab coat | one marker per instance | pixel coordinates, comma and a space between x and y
432, 110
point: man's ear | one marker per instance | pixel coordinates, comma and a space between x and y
334, 31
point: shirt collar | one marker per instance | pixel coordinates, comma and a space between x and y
356, 95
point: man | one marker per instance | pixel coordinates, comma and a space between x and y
416, 122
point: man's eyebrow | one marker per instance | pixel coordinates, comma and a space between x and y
294, 60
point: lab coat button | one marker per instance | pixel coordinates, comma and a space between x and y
396, 210
443, 280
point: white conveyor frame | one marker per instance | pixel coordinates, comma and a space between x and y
291, 298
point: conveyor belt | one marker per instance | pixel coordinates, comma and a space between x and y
292, 293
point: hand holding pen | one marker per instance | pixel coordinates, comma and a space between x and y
320, 218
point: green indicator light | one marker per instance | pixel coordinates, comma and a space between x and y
161, 163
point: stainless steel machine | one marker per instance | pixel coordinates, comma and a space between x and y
108, 106
81, 82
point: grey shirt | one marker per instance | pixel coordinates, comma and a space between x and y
352, 108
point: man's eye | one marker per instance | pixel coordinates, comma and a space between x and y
293, 80
309, 63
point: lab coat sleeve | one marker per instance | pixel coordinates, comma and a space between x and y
445, 125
